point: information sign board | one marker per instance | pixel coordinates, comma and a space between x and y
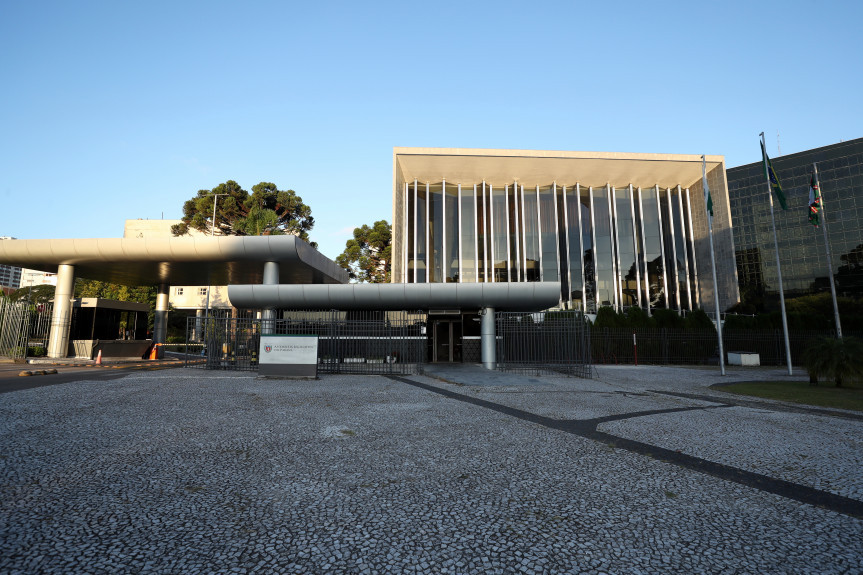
288, 355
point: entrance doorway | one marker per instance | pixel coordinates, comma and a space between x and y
446, 340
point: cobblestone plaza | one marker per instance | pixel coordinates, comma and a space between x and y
639, 470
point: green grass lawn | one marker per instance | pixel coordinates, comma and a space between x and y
824, 395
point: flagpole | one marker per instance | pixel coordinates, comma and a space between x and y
713, 265
776, 247
829, 257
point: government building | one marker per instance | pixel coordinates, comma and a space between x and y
615, 229
801, 246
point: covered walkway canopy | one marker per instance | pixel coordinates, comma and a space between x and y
198, 260
219, 260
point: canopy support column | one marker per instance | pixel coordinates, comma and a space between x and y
160, 322
487, 338
61, 318
268, 314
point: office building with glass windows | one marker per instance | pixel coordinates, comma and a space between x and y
802, 252
614, 229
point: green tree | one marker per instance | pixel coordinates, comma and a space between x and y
106, 290
367, 255
667, 318
40, 294
698, 319
637, 317
266, 211
607, 317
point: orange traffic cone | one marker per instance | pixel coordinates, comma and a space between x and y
99, 358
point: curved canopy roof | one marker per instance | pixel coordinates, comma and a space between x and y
201, 260
533, 296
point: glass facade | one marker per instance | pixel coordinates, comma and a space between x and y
530, 234
612, 229
467, 223
801, 246
607, 246
627, 274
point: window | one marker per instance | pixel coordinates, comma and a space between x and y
202, 291
178, 291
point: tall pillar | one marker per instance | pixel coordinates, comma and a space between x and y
268, 315
199, 313
488, 351
160, 323
61, 318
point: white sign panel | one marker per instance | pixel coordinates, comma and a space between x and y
292, 355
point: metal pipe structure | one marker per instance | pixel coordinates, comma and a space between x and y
488, 341
268, 314
530, 296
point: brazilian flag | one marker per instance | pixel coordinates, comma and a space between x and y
771, 177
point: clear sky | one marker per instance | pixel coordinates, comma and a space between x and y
121, 110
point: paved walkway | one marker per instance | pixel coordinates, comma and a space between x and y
639, 470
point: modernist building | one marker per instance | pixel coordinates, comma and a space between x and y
10, 276
614, 229
801, 245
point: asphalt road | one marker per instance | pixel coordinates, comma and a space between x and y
11, 381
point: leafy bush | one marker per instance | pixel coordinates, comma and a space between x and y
697, 319
762, 321
839, 359
637, 317
667, 318
607, 317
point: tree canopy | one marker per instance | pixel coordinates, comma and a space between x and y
95, 288
38, 294
266, 211
367, 256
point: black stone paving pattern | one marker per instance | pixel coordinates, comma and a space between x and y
587, 428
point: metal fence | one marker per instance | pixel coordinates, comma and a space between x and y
661, 346
348, 342
556, 342
24, 328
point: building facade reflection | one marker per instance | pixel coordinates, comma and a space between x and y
617, 230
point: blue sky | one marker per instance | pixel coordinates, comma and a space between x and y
119, 110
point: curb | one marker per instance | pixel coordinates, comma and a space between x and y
27, 373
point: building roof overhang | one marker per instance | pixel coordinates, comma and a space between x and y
535, 167
177, 261
533, 296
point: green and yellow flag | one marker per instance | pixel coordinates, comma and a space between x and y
771, 177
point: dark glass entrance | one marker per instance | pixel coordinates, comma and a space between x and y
446, 340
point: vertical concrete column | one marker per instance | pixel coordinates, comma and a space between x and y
160, 323
268, 315
61, 318
488, 351
199, 313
